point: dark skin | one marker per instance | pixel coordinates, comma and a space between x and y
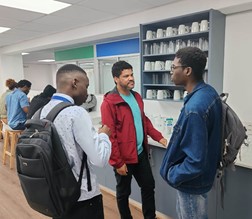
183, 76
75, 85
26, 90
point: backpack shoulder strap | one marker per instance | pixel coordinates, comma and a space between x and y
37, 114
220, 173
56, 110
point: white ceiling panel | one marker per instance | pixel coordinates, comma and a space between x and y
17, 14
118, 7
10, 22
13, 38
71, 1
53, 20
4, 41
159, 2
26, 25
59, 22
37, 27
19, 33
84, 14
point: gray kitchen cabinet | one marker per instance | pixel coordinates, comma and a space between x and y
158, 50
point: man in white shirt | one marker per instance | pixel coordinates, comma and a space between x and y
77, 134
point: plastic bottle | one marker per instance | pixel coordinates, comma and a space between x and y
168, 126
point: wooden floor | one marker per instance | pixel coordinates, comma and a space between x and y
13, 204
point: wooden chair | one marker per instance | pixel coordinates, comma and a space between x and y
10, 141
1, 127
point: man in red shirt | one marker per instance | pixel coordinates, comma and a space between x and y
123, 112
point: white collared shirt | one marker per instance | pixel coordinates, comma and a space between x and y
77, 134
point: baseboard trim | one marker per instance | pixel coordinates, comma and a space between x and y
134, 203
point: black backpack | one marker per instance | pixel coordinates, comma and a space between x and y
233, 137
45, 175
233, 134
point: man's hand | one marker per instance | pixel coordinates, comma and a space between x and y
122, 170
163, 141
105, 129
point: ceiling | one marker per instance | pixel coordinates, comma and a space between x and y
26, 25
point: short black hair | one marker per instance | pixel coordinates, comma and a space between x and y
48, 91
69, 68
23, 83
119, 66
195, 58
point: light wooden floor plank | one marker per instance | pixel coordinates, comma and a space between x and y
13, 204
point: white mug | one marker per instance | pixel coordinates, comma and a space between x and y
171, 47
160, 94
147, 66
204, 25
195, 27
160, 33
159, 65
168, 64
169, 32
148, 34
149, 94
176, 95
183, 29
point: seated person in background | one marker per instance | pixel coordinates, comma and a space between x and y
90, 103
40, 100
17, 105
11, 84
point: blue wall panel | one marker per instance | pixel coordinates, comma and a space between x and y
118, 48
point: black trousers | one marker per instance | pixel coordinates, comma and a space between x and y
92, 208
143, 175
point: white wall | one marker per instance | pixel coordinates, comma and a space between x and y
39, 75
10, 67
238, 63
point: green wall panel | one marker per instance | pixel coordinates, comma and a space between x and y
76, 53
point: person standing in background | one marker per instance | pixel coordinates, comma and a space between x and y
17, 105
123, 111
193, 154
40, 100
11, 84
76, 132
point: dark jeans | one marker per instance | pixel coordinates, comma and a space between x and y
143, 175
92, 208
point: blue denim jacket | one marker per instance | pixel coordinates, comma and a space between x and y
193, 153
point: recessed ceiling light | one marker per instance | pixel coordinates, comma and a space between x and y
46, 60
24, 53
3, 29
45, 6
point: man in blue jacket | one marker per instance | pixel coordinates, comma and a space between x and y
194, 151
